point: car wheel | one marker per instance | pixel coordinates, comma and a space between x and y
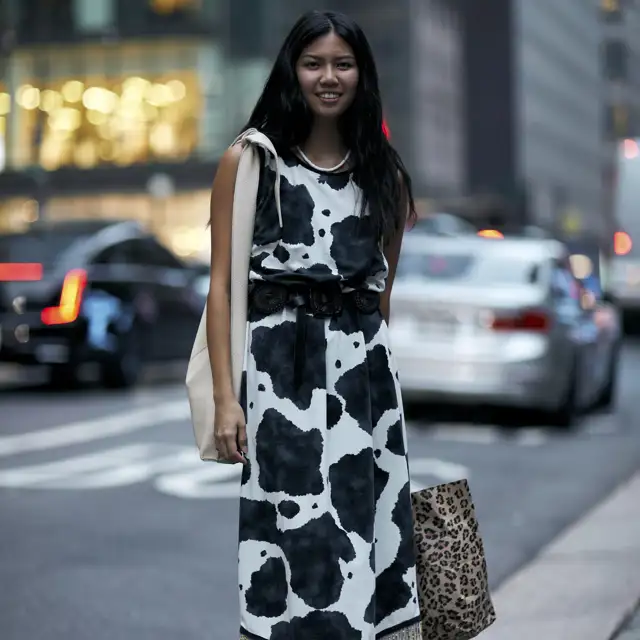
566, 415
123, 369
607, 398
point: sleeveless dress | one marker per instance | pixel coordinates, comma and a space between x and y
325, 535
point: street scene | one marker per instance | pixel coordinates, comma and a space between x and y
514, 326
113, 527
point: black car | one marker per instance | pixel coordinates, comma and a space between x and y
88, 291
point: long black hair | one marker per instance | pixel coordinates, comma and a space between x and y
282, 114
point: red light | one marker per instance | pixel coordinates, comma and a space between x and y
631, 150
386, 130
490, 233
535, 321
70, 299
20, 271
622, 243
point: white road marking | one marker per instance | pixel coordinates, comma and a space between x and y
465, 433
441, 469
116, 467
94, 429
533, 437
174, 470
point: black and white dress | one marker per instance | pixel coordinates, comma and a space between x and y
326, 549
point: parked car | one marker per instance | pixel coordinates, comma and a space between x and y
87, 291
501, 322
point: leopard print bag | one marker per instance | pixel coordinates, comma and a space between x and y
455, 602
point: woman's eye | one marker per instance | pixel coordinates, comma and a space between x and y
312, 65
344, 65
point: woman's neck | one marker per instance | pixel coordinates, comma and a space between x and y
324, 146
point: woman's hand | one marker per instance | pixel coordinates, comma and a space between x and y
230, 431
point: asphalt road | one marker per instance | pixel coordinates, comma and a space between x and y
112, 528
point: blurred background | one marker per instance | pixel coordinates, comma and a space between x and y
515, 307
114, 107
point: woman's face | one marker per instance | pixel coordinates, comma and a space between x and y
328, 76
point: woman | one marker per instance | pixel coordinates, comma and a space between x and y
326, 549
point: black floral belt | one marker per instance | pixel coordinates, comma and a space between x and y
318, 300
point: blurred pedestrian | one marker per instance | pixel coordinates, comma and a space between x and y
326, 549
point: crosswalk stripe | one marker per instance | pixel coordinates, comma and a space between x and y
94, 429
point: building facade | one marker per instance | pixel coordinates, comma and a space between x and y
122, 107
535, 104
620, 62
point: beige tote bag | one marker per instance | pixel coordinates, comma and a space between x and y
199, 380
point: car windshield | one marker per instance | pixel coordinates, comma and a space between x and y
40, 247
466, 268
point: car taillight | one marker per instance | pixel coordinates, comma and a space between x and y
20, 271
531, 320
70, 299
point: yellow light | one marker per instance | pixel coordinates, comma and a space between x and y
28, 97
96, 118
490, 233
159, 95
133, 89
178, 89
50, 100
100, 99
5, 104
72, 90
163, 139
66, 119
86, 155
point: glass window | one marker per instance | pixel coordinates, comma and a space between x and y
611, 10
616, 59
44, 247
93, 15
92, 121
115, 254
463, 268
149, 253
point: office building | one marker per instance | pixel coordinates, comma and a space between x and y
535, 104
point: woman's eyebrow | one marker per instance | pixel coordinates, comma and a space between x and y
314, 56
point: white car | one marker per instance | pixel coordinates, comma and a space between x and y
502, 322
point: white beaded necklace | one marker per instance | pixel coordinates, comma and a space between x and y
317, 168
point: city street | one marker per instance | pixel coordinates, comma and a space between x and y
113, 529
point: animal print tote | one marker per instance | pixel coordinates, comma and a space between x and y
455, 603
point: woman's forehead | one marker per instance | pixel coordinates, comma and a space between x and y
329, 45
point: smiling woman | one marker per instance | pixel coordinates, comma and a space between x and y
326, 528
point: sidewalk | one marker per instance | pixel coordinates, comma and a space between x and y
584, 585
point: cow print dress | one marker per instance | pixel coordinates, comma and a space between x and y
325, 537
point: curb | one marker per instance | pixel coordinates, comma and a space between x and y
584, 585
628, 625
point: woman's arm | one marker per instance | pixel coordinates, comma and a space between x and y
392, 253
229, 420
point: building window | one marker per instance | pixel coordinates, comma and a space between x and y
119, 120
616, 60
92, 16
611, 10
617, 121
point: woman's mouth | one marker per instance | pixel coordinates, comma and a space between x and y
329, 97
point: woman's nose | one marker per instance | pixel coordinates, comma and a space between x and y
329, 75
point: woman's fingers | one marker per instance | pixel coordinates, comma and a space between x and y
242, 438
